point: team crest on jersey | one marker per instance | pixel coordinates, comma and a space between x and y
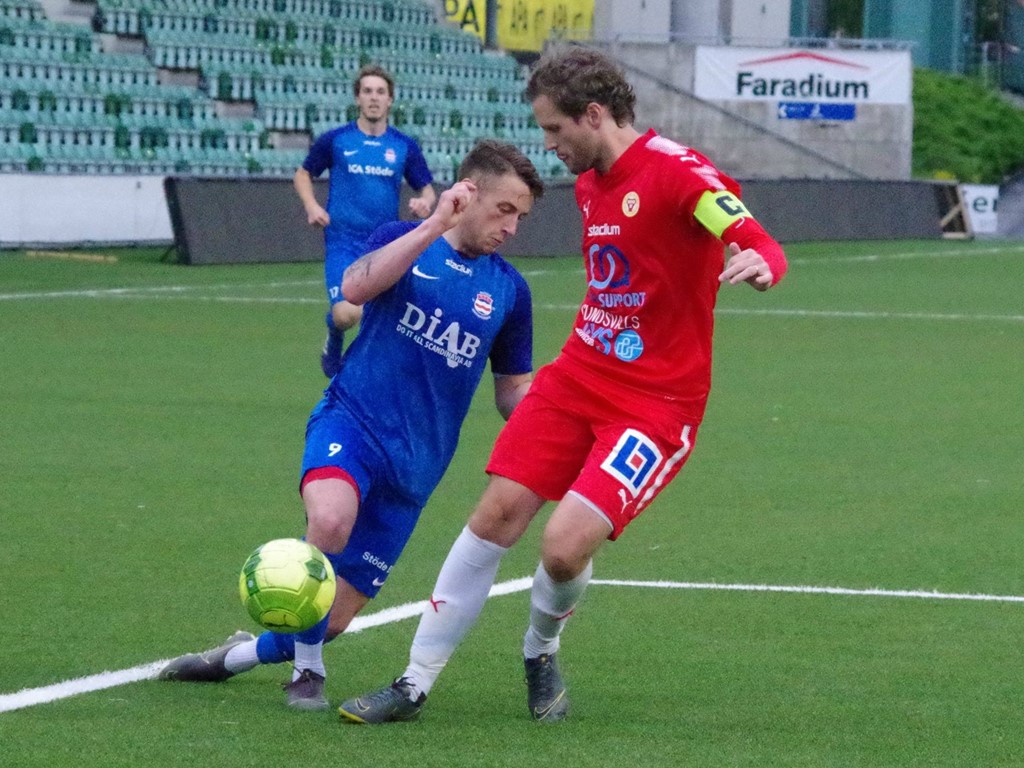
483, 305
631, 204
389, 155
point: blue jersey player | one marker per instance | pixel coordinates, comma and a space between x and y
367, 160
438, 303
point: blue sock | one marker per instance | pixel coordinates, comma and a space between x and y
314, 634
276, 647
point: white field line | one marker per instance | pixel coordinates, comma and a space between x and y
835, 314
190, 293
1005, 250
137, 292
867, 258
874, 592
29, 697
866, 315
155, 291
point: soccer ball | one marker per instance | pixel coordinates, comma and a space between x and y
287, 585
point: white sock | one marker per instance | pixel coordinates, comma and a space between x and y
551, 605
459, 595
309, 657
242, 657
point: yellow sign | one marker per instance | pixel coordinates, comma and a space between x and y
517, 24
524, 25
468, 15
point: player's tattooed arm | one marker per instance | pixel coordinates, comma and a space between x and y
372, 274
378, 270
364, 266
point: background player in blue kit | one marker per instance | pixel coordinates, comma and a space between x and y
367, 160
438, 304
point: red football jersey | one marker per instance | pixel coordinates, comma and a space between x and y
644, 328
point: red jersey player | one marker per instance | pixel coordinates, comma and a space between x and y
611, 421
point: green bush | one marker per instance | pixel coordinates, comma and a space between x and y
964, 131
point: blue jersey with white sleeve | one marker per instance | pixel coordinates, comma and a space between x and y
411, 372
365, 179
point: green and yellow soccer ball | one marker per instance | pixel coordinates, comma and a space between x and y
287, 585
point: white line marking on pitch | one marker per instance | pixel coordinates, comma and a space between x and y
834, 313
921, 594
867, 315
154, 291
151, 291
867, 258
32, 696
189, 293
875, 257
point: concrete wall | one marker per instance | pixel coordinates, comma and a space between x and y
712, 21
698, 19
763, 22
633, 19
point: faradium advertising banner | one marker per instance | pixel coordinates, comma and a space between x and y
818, 76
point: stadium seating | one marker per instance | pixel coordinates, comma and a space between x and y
67, 103
27, 10
87, 69
40, 35
38, 96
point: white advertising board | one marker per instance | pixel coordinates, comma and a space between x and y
828, 76
981, 201
52, 209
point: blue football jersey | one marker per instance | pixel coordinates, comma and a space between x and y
411, 371
365, 180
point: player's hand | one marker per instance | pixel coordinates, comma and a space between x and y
419, 206
453, 203
746, 267
317, 216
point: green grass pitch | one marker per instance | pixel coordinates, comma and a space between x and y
865, 433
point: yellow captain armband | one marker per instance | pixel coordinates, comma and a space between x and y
717, 211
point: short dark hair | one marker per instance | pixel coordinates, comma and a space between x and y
498, 158
575, 76
374, 70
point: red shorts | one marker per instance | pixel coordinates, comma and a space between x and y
565, 437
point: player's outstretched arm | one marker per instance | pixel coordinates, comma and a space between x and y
378, 270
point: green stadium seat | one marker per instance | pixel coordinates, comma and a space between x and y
24, 10
293, 59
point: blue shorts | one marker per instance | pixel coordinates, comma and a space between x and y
339, 257
385, 520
